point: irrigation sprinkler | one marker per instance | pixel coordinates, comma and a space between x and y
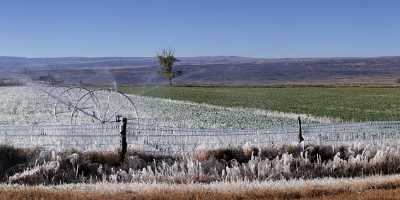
69, 96
83, 105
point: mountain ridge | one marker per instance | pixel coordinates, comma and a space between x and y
211, 70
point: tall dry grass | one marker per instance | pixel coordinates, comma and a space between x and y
233, 164
323, 189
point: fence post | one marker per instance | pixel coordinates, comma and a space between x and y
301, 138
124, 144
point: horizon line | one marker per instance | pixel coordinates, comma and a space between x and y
205, 56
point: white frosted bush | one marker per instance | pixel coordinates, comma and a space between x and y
37, 171
379, 157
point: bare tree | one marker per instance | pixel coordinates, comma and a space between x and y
167, 59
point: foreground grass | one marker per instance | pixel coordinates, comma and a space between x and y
360, 188
228, 165
347, 103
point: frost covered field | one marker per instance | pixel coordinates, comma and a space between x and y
27, 105
35, 110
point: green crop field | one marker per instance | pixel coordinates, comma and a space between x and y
347, 103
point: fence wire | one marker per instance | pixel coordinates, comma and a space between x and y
153, 137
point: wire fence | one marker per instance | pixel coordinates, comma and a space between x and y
153, 137
377, 131
85, 137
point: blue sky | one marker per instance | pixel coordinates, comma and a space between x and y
254, 28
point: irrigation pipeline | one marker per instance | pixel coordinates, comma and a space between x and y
69, 104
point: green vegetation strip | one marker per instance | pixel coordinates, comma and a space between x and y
347, 103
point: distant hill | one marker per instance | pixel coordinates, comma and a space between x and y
218, 70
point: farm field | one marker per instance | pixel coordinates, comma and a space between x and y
27, 113
27, 105
347, 103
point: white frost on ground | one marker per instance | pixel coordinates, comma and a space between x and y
25, 105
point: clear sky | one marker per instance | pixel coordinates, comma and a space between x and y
254, 28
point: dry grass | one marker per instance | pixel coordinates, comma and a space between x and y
232, 164
323, 189
367, 195
316, 195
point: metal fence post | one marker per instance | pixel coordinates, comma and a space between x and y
124, 144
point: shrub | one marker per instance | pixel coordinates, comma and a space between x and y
105, 158
11, 160
228, 154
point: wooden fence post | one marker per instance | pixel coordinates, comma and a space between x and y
124, 144
301, 138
